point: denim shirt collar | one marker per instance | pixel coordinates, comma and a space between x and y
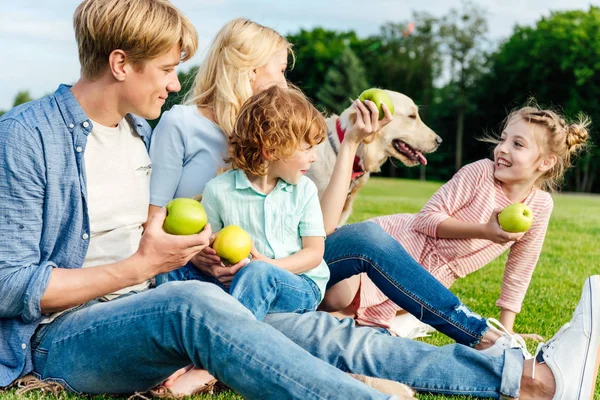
242, 182
73, 115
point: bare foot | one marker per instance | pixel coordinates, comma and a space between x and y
189, 382
542, 387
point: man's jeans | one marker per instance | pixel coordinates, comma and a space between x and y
261, 287
366, 247
136, 341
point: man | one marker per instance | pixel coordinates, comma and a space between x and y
75, 269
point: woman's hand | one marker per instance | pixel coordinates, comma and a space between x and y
494, 232
367, 122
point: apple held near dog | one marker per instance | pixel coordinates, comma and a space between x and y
184, 217
515, 218
232, 244
378, 96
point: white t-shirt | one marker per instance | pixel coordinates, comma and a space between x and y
117, 170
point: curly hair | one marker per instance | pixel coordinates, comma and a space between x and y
271, 126
564, 139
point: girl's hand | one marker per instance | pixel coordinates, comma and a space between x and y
531, 336
367, 122
494, 232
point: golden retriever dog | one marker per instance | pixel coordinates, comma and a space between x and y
406, 138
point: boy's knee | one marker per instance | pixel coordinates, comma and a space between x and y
256, 271
189, 296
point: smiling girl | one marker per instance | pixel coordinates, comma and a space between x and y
457, 231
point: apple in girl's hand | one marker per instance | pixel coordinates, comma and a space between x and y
515, 218
378, 96
232, 244
184, 217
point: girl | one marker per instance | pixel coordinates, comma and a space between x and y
457, 231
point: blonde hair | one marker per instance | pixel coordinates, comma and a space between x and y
223, 80
562, 138
143, 29
271, 126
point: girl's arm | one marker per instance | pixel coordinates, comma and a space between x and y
311, 255
522, 259
334, 197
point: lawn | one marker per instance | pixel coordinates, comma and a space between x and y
571, 253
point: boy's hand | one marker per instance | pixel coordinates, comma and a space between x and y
367, 122
209, 263
161, 252
494, 232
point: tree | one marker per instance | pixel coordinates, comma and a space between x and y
463, 32
22, 97
344, 80
558, 62
316, 50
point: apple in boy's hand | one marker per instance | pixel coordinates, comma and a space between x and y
184, 217
232, 244
378, 96
516, 218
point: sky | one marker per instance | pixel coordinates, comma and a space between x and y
38, 49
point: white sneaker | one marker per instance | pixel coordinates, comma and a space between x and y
506, 341
573, 353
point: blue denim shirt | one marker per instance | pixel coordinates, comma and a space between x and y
44, 221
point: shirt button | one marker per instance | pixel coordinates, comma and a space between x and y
23, 346
85, 236
71, 126
86, 124
79, 149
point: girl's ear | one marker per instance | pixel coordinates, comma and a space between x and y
548, 163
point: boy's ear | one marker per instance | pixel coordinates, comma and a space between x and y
266, 154
548, 163
117, 64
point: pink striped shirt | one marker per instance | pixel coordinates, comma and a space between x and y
471, 195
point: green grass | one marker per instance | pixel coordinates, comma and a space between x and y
571, 253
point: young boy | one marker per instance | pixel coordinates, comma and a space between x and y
266, 193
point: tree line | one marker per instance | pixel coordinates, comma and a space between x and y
464, 83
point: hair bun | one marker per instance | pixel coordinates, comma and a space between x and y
577, 134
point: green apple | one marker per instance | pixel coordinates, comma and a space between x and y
232, 244
378, 96
517, 217
184, 217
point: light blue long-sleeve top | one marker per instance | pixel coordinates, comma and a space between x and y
187, 150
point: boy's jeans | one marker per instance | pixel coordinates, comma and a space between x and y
135, 342
262, 288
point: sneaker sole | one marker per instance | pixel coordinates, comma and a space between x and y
593, 353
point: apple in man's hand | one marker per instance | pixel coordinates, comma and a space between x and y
184, 217
378, 96
516, 218
232, 244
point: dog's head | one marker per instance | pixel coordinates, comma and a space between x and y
405, 138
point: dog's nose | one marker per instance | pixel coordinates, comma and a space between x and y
438, 140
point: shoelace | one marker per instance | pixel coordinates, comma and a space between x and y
515, 340
537, 351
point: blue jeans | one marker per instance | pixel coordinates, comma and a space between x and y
261, 287
136, 341
366, 247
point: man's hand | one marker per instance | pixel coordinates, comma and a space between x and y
367, 122
494, 232
161, 252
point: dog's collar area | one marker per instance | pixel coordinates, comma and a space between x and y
357, 169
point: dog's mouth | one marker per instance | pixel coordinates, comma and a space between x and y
409, 152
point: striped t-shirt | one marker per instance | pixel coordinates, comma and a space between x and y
471, 196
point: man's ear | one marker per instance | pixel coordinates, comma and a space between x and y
548, 163
117, 64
